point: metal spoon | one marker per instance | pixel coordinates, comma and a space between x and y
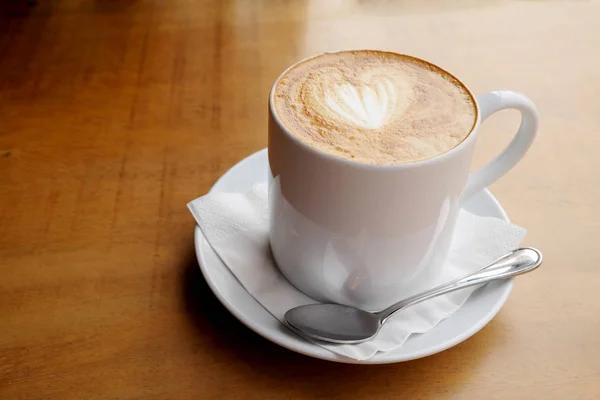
337, 323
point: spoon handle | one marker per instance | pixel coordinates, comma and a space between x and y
514, 263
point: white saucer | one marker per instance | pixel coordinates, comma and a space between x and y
479, 309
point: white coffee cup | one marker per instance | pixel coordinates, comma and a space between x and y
364, 235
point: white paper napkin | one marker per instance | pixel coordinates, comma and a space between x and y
236, 226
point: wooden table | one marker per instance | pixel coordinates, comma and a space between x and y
115, 113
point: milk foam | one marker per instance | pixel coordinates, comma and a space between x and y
374, 107
365, 106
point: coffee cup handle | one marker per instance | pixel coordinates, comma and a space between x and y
489, 104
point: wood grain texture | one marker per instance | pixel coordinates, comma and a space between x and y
114, 114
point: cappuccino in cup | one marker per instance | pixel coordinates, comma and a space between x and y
375, 107
369, 157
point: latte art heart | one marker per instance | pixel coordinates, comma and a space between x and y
367, 106
374, 107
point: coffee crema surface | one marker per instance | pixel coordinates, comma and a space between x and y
374, 107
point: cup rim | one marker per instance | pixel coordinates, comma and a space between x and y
359, 164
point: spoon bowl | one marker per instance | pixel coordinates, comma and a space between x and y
343, 324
